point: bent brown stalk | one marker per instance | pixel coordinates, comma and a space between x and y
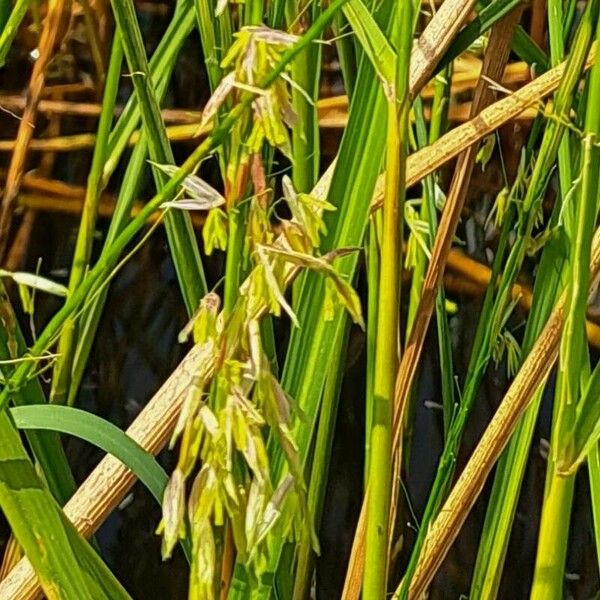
465, 492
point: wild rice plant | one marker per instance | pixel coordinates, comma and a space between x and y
308, 254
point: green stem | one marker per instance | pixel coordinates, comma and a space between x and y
306, 147
161, 66
554, 526
386, 348
548, 580
253, 12
305, 132
83, 247
208, 37
234, 257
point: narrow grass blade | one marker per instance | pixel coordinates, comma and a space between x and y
161, 65
11, 27
321, 458
182, 241
61, 380
372, 40
102, 434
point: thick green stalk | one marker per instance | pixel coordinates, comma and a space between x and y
253, 12
305, 132
83, 247
555, 31
386, 363
554, 526
351, 188
386, 346
180, 232
550, 561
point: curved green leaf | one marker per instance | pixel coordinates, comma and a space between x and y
102, 434
98, 432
